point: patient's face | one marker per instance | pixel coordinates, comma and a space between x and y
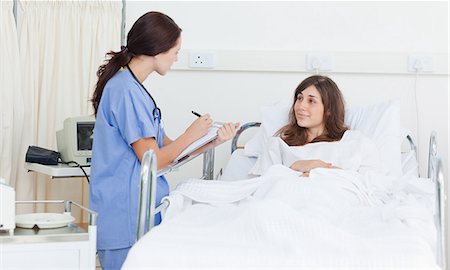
309, 109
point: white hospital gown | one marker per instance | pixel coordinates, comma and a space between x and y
353, 152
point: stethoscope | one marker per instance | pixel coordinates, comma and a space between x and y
157, 117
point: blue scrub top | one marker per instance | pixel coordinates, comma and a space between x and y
124, 115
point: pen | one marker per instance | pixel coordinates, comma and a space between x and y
196, 114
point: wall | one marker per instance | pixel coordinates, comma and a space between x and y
260, 50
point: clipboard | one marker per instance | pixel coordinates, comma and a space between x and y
209, 137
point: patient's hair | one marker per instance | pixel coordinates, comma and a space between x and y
333, 117
153, 33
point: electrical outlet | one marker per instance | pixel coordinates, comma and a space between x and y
201, 59
420, 63
319, 61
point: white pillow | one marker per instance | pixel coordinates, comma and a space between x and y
273, 117
379, 122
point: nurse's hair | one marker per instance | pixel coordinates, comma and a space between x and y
153, 33
333, 115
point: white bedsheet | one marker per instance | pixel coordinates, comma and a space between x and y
333, 219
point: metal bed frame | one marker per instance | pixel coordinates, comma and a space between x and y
436, 174
147, 208
147, 197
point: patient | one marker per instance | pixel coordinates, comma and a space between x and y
316, 135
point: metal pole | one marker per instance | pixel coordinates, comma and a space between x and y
147, 194
440, 212
413, 146
15, 10
124, 16
432, 154
208, 164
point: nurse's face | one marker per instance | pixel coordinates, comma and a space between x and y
309, 109
166, 59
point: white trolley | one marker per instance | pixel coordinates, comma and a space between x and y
69, 247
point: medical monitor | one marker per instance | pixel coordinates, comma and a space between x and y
74, 141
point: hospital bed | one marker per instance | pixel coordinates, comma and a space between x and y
189, 239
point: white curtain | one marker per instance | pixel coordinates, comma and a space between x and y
62, 44
11, 98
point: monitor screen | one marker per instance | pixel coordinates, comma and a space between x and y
85, 134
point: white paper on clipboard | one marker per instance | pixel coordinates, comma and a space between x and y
210, 136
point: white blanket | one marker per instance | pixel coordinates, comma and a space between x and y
333, 219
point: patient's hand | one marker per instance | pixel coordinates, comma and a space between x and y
306, 166
226, 132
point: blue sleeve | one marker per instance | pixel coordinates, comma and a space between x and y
133, 113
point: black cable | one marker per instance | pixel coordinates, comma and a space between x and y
75, 164
85, 174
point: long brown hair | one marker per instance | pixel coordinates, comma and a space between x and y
333, 117
153, 33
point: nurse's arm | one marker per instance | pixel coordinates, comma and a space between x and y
164, 155
167, 141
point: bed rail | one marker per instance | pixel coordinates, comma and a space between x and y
412, 145
147, 193
436, 174
432, 154
147, 208
243, 128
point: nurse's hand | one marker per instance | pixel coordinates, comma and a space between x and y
226, 132
199, 127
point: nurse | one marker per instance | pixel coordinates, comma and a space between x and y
128, 123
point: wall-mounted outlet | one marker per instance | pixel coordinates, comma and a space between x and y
201, 59
420, 63
319, 61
